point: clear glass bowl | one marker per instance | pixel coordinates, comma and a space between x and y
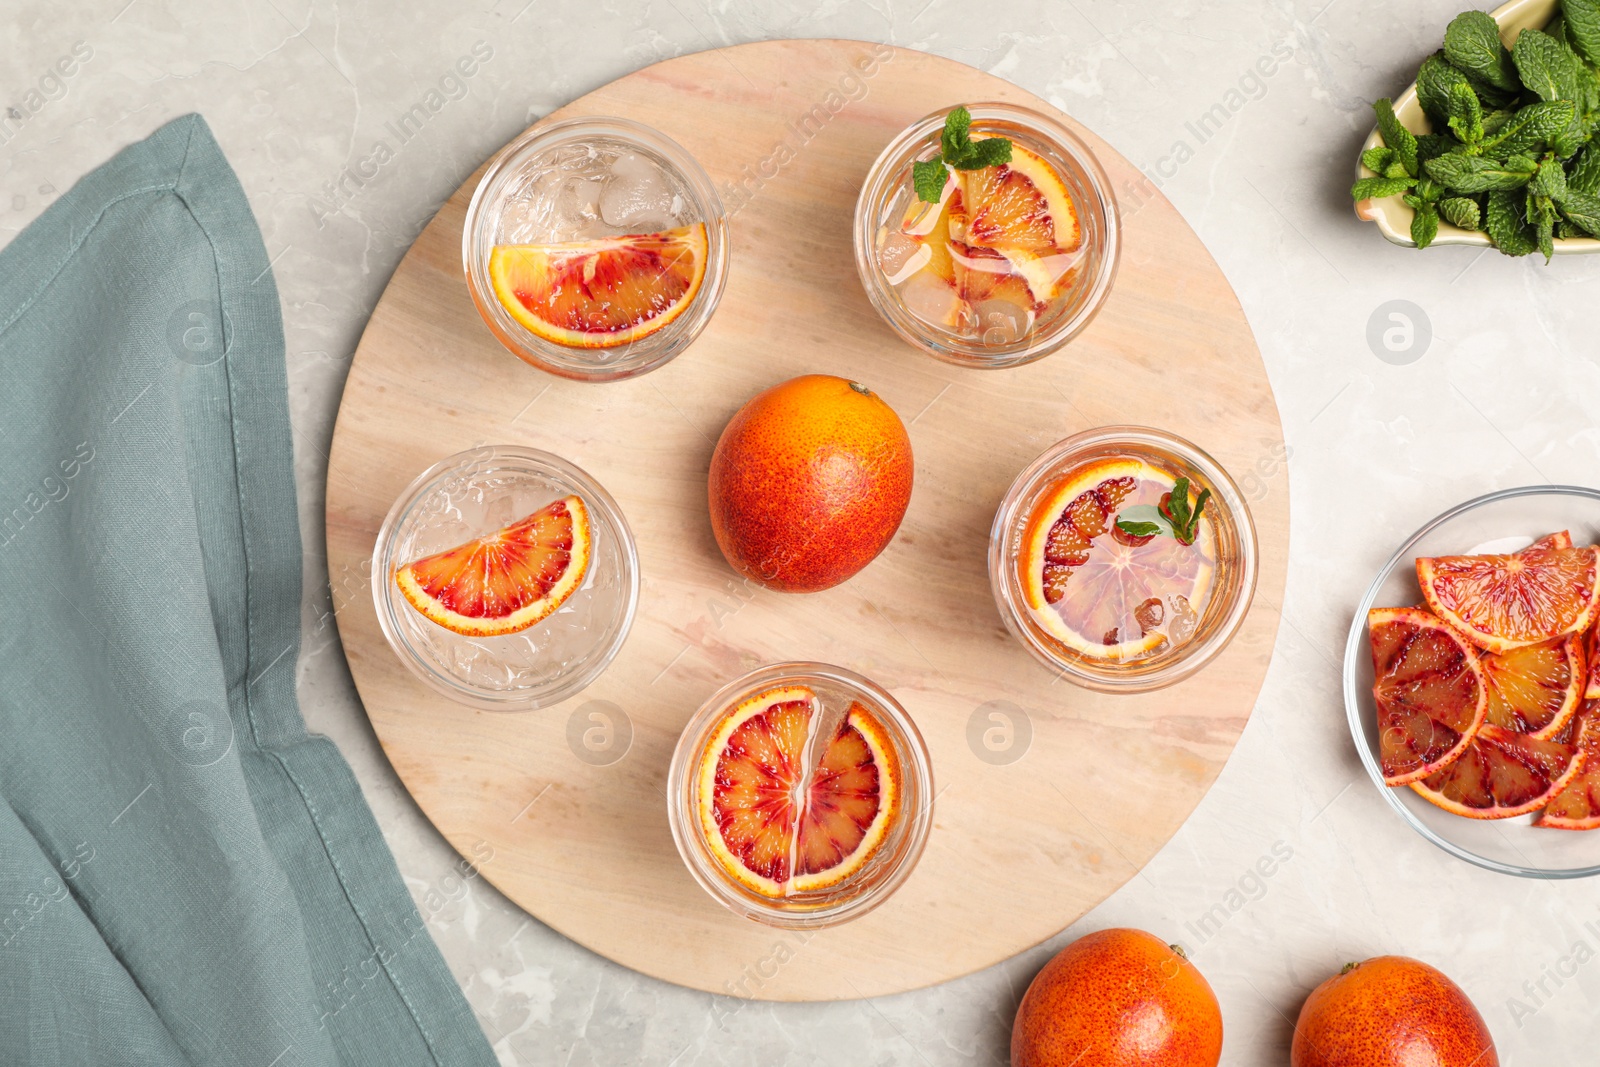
542, 151
466, 496
1499, 522
883, 872
887, 192
1236, 563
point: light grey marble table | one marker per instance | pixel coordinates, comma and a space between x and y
1504, 394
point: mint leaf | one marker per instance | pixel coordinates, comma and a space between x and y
1546, 67
1583, 210
1424, 225
1466, 115
1506, 225
1144, 520
1572, 137
1584, 173
1139, 529
1472, 43
1583, 27
989, 152
1434, 145
1550, 181
1460, 211
1396, 136
954, 142
1436, 78
927, 178
1380, 187
1377, 160
1533, 127
1475, 174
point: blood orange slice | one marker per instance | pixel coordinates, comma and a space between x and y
850, 805
505, 581
1103, 594
1503, 774
601, 293
1577, 805
780, 827
749, 778
1501, 602
1535, 689
1593, 653
1559, 539
1429, 689
1020, 204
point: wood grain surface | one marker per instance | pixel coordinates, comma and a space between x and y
1019, 849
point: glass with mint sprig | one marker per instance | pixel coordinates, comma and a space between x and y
1173, 517
958, 151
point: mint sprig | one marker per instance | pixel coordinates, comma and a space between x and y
957, 149
1173, 517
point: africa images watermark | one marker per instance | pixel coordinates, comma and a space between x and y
53, 488
1553, 977
1249, 87
803, 129
454, 85
50, 86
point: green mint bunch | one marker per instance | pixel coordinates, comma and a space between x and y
959, 150
1513, 152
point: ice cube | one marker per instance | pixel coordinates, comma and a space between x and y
899, 256
637, 196
932, 299
999, 321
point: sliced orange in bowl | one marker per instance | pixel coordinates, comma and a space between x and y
1020, 204
749, 775
601, 293
851, 803
1593, 652
1508, 601
1429, 690
1577, 805
1535, 689
1086, 585
505, 581
1503, 774
780, 826
1559, 539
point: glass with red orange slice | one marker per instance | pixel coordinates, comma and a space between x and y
505, 577
1011, 262
1473, 699
595, 248
1096, 585
800, 795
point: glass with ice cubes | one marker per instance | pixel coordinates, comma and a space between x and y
595, 248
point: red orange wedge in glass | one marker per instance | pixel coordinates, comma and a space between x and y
505, 581
604, 292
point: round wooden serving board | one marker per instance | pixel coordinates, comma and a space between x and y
1019, 849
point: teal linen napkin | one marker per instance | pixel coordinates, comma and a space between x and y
186, 875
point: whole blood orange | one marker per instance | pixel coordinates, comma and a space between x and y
809, 482
1390, 1012
1118, 998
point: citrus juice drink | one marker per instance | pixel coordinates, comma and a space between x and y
987, 236
800, 795
1124, 558
595, 248
505, 577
